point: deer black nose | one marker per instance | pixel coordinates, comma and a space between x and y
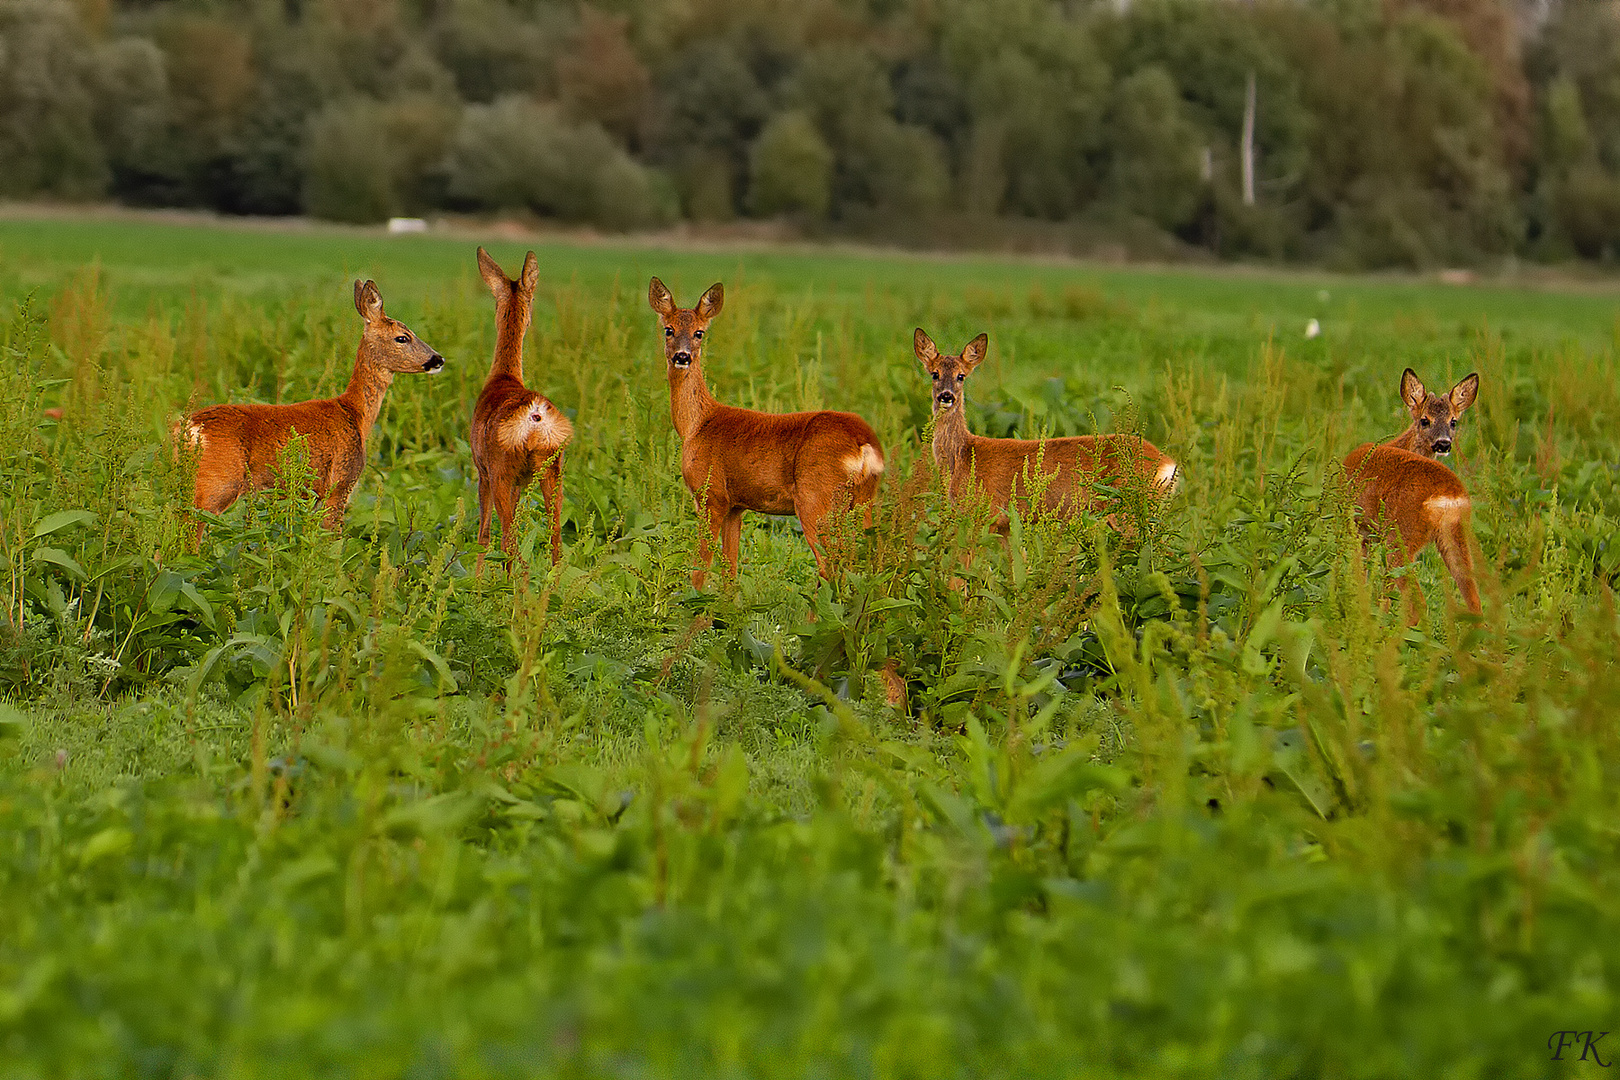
947, 399
681, 359
1442, 446
434, 363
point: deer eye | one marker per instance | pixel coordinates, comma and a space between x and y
960, 378
403, 339
1454, 423
1424, 421
669, 331
698, 334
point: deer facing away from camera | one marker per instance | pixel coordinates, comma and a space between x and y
1403, 494
1002, 468
736, 459
517, 434
238, 447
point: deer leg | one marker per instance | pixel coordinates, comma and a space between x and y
506, 497
731, 538
715, 510
486, 504
551, 489
811, 511
1407, 552
1452, 540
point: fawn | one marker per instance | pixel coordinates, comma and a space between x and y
238, 446
1401, 491
516, 433
1003, 468
738, 459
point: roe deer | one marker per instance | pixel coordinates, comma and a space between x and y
238, 446
516, 433
1403, 493
738, 459
1003, 468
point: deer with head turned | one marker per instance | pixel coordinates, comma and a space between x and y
1408, 499
734, 459
1002, 469
517, 434
238, 447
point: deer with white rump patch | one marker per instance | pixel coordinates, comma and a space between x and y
1408, 499
736, 459
517, 434
1002, 469
238, 446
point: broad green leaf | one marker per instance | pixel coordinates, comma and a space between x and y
62, 519
59, 558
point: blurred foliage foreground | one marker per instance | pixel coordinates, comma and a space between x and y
1189, 802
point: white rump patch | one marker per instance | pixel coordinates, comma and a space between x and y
1448, 504
1168, 475
864, 464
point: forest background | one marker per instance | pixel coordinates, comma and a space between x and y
1406, 132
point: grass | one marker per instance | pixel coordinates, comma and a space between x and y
1189, 800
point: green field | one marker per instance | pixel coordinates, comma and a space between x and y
1187, 800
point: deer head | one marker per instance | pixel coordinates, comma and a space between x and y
389, 343
1434, 416
514, 298
684, 327
949, 373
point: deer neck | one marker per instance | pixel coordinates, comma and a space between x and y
951, 437
690, 402
1407, 440
366, 388
510, 326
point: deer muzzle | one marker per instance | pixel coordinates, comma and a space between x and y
433, 363
1442, 446
945, 399
681, 359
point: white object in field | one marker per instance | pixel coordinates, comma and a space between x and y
1312, 329
406, 225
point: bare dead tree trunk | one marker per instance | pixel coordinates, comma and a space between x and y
1248, 143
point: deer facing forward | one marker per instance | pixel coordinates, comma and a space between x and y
1407, 499
238, 447
736, 459
1002, 469
517, 434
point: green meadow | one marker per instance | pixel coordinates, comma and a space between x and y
1186, 798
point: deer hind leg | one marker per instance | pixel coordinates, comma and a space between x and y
812, 511
222, 478
1452, 538
551, 489
506, 497
486, 505
1403, 552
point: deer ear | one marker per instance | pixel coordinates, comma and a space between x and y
973, 355
368, 301
531, 274
925, 349
1463, 394
1412, 392
493, 275
710, 303
659, 298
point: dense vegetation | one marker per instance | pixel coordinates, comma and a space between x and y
1183, 801
1414, 132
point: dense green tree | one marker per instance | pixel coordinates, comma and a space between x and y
792, 168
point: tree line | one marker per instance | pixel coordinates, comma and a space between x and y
1380, 132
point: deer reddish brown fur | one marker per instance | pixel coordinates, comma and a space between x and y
238, 447
1407, 499
735, 459
1002, 469
517, 434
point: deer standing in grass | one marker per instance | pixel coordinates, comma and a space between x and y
1408, 499
1002, 469
517, 434
238, 447
738, 459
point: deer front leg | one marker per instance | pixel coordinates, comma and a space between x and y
715, 512
731, 538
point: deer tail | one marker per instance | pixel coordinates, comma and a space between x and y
864, 463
